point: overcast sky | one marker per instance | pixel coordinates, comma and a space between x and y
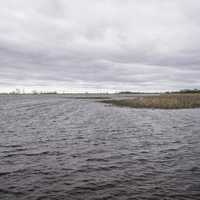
99, 45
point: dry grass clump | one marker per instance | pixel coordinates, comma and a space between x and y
165, 101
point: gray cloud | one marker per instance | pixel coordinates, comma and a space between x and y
99, 45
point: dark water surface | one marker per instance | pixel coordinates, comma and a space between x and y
52, 148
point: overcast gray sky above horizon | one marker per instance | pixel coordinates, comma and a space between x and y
99, 45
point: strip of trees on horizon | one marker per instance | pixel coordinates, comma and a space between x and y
35, 92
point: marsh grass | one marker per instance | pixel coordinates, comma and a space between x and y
164, 101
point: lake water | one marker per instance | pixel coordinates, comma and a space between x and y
54, 148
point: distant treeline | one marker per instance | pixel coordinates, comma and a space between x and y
31, 93
34, 92
168, 92
185, 91
129, 92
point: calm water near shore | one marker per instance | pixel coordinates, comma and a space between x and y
55, 147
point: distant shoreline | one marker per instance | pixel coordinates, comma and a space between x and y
128, 93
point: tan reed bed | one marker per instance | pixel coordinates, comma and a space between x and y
163, 101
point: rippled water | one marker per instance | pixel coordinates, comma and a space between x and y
52, 147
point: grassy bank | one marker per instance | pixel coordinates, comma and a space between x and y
164, 101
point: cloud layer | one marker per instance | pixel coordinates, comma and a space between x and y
99, 45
